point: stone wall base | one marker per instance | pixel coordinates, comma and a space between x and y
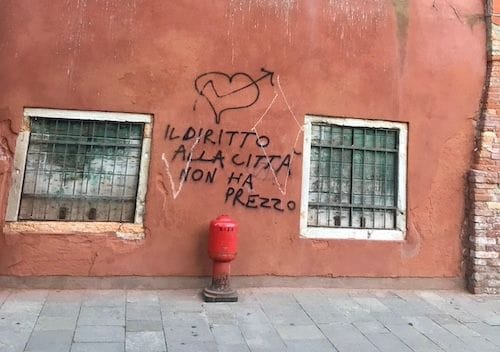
177, 282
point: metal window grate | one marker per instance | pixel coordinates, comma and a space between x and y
353, 177
81, 170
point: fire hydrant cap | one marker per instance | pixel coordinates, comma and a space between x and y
223, 218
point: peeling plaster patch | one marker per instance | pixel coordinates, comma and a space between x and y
5, 171
474, 19
112, 7
5, 155
6, 130
131, 236
79, 20
411, 247
349, 22
320, 245
240, 13
281, 9
401, 8
75, 31
348, 14
120, 15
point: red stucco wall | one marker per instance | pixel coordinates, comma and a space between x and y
420, 62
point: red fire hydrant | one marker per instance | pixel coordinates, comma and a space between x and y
222, 249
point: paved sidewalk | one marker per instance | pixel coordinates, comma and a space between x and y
304, 320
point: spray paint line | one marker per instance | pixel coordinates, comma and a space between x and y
175, 193
254, 129
265, 112
275, 176
286, 102
293, 154
283, 191
281, 188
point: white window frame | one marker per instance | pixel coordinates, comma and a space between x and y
397, 234
22, 150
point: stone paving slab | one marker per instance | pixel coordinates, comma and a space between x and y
99, 333
265, 319
102, 316
98, 347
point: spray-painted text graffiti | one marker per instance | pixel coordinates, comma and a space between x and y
242, 158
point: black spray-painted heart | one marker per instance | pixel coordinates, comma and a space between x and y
225, 92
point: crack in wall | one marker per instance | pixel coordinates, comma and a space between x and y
92, 263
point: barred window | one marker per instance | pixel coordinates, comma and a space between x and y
81, 166
355, 180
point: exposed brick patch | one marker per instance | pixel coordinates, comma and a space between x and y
483, 274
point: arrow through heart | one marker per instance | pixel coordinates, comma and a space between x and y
225, 92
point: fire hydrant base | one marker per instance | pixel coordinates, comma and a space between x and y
219, 296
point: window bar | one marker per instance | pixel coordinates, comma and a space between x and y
351, 196
50, 174
333, 182
396, 180
331, 172
374, 175
75, 169
138, 169
341, 170
82, 206
362, 220
114, 171
126, 150
318, 193
384, 191
50, 158
92, 149
37, 169
63, 173
324, 178
337, 218
101, 172
363, 165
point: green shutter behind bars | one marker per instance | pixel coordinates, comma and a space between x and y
353, 177
81, 170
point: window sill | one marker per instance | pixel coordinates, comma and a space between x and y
327, 233
126, 231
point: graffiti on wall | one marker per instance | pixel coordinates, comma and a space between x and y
222, 98
239, 157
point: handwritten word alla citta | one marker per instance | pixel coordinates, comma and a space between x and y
239, 139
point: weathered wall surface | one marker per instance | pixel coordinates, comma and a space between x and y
421, 62
484, 190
